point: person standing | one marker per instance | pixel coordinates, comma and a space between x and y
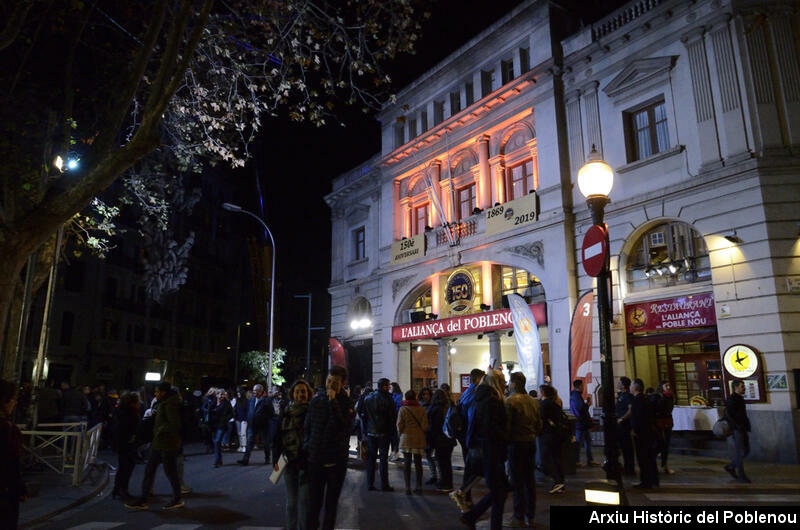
463, 497
412, 424
259, 413
164, 448
125, 425
579, 408
74, 403
441, 445
12, 487
665, 423
208, 402
643, 427
381, 418
219, 417
326, 430
240, 418
397, 396
736, 414
551, 439
424, 397
623, 406
524, 424
288, 441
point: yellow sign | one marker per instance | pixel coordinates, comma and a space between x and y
408, 249
740, 361
459, 292
512, 214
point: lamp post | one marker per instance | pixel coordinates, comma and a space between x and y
595, 180
238, 209
236, 366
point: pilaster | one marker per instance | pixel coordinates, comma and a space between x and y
484, 173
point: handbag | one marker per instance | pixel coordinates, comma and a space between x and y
722, 428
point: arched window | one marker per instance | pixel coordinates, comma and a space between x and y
668, 254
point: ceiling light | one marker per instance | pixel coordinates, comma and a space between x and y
452, 350
674, 267
733, 238
419, 348
648, 272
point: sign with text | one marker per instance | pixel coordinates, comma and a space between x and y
464, 325
744, 363
459, 292
695, 311
408, 249
512, 214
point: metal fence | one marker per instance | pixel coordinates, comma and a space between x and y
62, 447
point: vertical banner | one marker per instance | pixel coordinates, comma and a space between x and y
526, 335
580, 341
336, 353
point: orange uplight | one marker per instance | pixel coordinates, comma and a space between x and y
486, 279
435, 294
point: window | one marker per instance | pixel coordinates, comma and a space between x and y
487, 78
73, 277
470, 90
420, 218
423, 121
521, 282
412, 128
438, 112
67, 323
520, 179
668, 254
455, 103
524, 59
358, 244
399, 137
466, 201
507, 71
647, 131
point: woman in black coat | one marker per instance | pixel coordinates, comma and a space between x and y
440, 445
12, 487
124, 427
551, 439
219, 416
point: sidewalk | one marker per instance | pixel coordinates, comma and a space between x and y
56, 493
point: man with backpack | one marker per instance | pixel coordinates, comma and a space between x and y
456, 422
381, 420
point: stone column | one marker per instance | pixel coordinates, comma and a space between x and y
397, 209
406, 217
443, 362
575, 132
495, 355
594, 135
498, 176
484, 173
703, 99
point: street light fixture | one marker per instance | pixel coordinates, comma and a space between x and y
238, 209
595, 180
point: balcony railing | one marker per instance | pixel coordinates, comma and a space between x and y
458, 231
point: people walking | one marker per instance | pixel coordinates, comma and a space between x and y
440, 444
579, 407
381, 419
208, 402
259, 413
287, 442
125, 426
736, 414
623, 409
551, 438
488, 432
240, 418
326, 430
643, 427
524, 424
397, 396
424, 397
412, 424
164, 448
472, 471
12, 487
665, 423
219, 416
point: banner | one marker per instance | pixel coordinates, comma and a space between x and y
408, 249
580, 341
336, 353
695, 311
529, 347
512, 214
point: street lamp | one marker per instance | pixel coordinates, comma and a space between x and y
595, 180
238, 209
236, 365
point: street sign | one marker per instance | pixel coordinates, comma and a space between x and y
594, 252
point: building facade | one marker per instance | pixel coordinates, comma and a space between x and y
696, 107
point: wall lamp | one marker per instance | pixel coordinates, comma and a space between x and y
360, 323
485, 307
480, 336
733, 238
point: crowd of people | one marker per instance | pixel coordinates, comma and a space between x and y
505, 432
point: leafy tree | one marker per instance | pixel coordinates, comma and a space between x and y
257, 362
105, 84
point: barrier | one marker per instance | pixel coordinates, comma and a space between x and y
63, 447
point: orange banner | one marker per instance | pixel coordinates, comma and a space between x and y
580, 341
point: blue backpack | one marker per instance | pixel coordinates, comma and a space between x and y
455, 424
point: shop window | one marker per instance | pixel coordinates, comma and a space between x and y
466, 201
647, 132
520, 179
523, 283
666, 255
420, 218
359, 244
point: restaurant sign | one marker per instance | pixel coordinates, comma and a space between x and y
408, 249
696, 311
463, 325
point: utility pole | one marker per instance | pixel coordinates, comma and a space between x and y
308, 333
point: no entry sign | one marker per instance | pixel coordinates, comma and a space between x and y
594, 252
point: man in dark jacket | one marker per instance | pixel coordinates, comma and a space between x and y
524, 424
381, 420
327, 429
259, 414
736, 414
643, 426
579, 408
74, 403
164, 448
624, 400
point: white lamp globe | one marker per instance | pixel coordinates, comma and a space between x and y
596, 177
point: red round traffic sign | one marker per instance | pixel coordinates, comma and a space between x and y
594, 252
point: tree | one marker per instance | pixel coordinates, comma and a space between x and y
105, 84
257, 362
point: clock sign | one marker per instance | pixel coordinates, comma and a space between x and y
740, 361
637, 317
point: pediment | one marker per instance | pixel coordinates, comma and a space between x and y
356, 214
638, 73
